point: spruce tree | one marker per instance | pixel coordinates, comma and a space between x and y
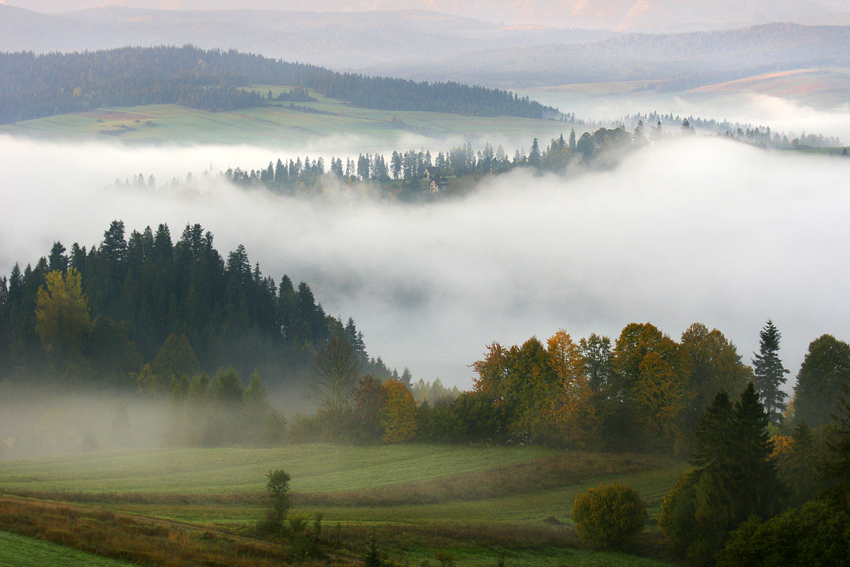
758, 491
836, 471
769, 372
534, 158
733, 479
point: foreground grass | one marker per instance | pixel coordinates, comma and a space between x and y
20, 551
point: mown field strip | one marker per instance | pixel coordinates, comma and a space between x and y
314, 468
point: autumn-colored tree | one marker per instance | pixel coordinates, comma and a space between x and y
647, 387
658, 396
522, 383
398, 414
532, 384
62, 315
571, 408
491, 371
636, 340
713, 364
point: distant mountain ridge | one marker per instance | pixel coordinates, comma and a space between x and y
424, 45
681, 61
342, 41
653, 16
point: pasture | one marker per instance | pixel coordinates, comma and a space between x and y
278, 124
474, 503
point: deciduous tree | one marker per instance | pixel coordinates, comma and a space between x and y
398, 413
825, 369
62, 315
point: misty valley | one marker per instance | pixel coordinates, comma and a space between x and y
423, 288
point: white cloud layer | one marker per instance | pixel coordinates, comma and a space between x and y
687, 230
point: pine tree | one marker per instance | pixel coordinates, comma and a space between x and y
534, 158
769, 372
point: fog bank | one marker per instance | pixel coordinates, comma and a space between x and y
686, 230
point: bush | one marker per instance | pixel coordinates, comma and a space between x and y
610, 516
816, 535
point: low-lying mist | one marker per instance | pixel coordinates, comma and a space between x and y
780, 114
36, 423
685, 230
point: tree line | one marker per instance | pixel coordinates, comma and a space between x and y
410, 173
36, 85
769, 482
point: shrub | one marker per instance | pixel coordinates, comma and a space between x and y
816, 535
609, 516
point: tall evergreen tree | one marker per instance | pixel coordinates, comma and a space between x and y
534, 158
733, 479
769, 372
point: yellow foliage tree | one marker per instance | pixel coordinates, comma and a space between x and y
398, 413
62, 315
659, 397
572, 408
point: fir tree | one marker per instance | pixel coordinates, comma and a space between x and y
534, 158
769, 372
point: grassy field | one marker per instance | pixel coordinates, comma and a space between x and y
472, 502
20, 551
314, 468
278, 124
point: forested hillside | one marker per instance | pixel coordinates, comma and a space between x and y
93, 317
33, 86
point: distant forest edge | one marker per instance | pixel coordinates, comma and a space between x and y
34, 86
95, 317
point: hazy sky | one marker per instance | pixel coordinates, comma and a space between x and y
687, 230
684, 14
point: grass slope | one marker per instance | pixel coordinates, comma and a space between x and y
20, 551
278, 124
314, 468
471, 502
407, 484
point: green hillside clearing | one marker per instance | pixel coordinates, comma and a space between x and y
279, 124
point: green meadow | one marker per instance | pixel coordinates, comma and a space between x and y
281, 125
314, 468
475, 503
20, 551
